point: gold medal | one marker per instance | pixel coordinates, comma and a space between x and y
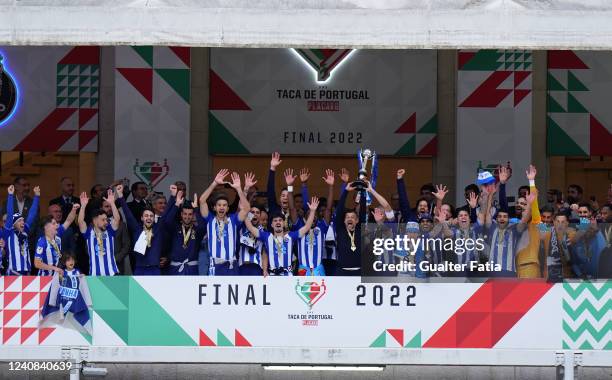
186, 236
352, 237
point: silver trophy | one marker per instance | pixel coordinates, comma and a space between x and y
363, 156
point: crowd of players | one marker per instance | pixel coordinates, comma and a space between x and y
232, 229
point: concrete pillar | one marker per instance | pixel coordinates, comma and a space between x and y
445, 163
105, 158
200, 162
538, 125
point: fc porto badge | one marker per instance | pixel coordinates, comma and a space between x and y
8, 94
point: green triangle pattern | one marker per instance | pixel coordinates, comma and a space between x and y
483, 60
431, 126
415, 342
574, 84
178, 79
560, 143
221, 141
222, 340
381, 341
574, 106
408, 149
552, 105
145, 52
553, 84
135, 322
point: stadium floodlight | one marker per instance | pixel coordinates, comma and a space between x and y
321, 368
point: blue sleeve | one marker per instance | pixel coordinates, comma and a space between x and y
41, 245
271, 192
473, 215
199, 218
503, 201
61, 230
33, 211
131, 221
305, 198
295, 235
172, 201
363, 208
407, 214
263, 235
339, 215
110, 231
10, 210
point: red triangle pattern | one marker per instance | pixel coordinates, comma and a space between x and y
85, 137
430, 149
487, 95
43, 333
44, 281
205, 340
240, 340
464, 57
488, 314
8, 315
9, 297
26, 297
600, 139
8, 281
223, 97
398, 335
183, 53
27, 280
85, 114
141, 79
8, 332
520, 76
26, 332
408, 126
564, 59
519, 95
82, 55
26, 315
46, 136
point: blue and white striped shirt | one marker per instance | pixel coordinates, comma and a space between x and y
101, 258
47, 253
503, 246
249, 249
17, 247
311, 246
223, 247
472, 233
280, 251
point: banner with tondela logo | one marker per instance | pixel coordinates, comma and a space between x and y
317, 313
579, 118
323, 101
152, 114
494, 108
49, 98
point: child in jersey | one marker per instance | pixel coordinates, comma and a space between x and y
49, 246
279, 244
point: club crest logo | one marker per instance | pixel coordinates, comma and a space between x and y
323, 61
8, 93
151, 172
310, 292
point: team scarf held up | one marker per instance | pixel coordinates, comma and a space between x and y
68, 300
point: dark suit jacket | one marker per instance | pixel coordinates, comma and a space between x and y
137, 208
26, 207
66, 206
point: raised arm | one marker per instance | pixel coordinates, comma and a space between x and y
252, 229
169, 223
81, 220
536, 218
304, 176
504, 174
289, 180
381, 200
34, 209
340, 207
244, 202
486, 199
71, 216
440, 193
131, 222
275, 161
403, 197
219, 180
110, 198
522, 224
10, 207
249, 182
329, 180
312, 207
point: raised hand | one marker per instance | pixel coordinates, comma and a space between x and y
503, 173
110, 196
173, 190
349, 187
304, 175
313, 204
531, 172
249, 180
11, 189
289, 177
441, 192
368, 186
179, 198
236, 182
220, 177
532, 196
344, 175
473, 200
84, 199
75, 206
37, 191
195, 202
275, 161
400, 173
329, 177
119, 190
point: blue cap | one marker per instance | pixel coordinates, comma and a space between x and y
485, 178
